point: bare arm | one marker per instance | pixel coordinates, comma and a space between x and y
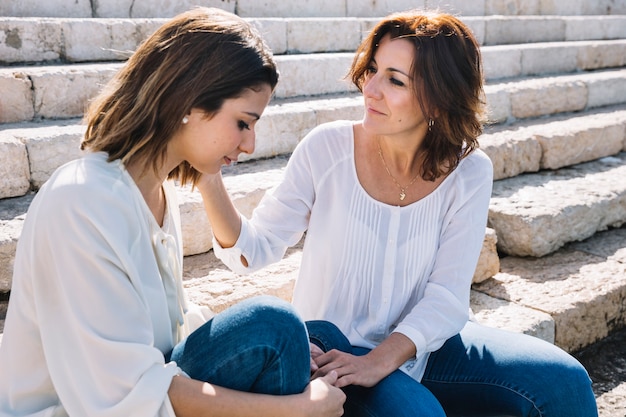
198, 399
222, 214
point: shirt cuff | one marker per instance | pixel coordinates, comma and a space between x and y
232, 256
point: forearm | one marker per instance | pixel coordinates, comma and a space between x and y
392, 353
221, 212
198, 399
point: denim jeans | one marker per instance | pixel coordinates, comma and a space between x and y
481, 371
259, 345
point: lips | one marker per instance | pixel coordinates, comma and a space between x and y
374, 111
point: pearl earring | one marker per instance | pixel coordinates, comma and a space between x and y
185, 120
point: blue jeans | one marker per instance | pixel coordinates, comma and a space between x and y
481, 371
259, 345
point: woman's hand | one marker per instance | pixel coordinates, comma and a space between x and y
315, 352
322, 398
367, 370
350, 369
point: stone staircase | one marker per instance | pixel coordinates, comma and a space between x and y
554, 259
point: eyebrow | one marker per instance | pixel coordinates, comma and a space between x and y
252, 114
393, 69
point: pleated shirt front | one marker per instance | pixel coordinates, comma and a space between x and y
369, 267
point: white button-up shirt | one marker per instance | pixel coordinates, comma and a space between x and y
369, 267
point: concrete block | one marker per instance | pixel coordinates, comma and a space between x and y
610, 245
49, 148
105, 39
489, 261
16, 100
155, 8
512, 7
281, 128
280, 8
274, 31
500, 30
64, 92
314, 74
512, 152
323, 35
501, 62
541, 97
599, 55
581, 7
580, 140
50, 8
581, 28
459, 7
29, 40
606, 88
502, 314
548, 58
378, 8
583, 293
478, 27
348, 108
14, 172
12, 215
536, 214
498, 103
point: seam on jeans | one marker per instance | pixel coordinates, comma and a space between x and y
526, 397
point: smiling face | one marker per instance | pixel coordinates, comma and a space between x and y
391, 107
208, 142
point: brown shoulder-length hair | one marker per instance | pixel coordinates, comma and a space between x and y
447, 80
198, 59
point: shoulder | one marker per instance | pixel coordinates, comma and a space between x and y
86, 187
477, 164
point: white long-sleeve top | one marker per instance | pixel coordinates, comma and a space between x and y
369, 267
89, 318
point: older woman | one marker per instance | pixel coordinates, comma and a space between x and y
395, 207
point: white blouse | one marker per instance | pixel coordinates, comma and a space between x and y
369, 267
96, 299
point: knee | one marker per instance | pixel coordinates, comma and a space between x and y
327, 336
267, 314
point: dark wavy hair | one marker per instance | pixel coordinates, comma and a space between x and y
198, 59
448, 82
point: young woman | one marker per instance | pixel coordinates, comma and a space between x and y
97, 322
395, 208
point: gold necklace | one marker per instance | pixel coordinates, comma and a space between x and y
402, 189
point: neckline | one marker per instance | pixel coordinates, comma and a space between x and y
355, 175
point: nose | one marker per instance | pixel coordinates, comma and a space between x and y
371, 87
248, 142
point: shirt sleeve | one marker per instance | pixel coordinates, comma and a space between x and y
96, 331
279, 221
444, 308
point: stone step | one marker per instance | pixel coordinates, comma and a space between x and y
536, 214
303, 8
550, 143
520, 224
31, 40
30, 152
582, 288
63, 91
